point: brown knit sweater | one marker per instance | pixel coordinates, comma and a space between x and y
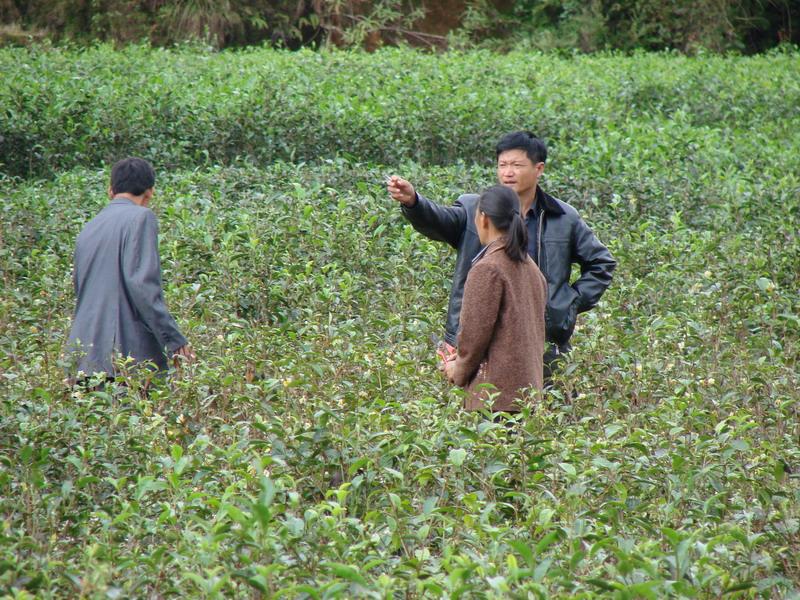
501, 338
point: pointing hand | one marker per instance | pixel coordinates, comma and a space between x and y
401, 190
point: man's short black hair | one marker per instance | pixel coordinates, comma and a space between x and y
523, 140
132, 176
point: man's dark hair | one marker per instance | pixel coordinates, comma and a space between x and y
523, 140
132, 176
501, 205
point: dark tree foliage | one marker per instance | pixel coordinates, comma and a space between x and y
587, 26
219, 23
683, 25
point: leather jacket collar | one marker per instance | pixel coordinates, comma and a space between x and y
547, 202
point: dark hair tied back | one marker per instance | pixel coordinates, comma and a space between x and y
501, 205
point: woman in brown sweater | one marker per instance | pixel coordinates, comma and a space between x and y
501, 336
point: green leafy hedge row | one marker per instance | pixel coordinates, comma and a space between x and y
315, 451
65, 108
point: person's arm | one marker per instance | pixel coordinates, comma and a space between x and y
597, 266
436, 222
483, 293
141, 271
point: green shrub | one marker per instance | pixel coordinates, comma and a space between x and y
60, 109
314, 450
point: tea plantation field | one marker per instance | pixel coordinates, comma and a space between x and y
313, 450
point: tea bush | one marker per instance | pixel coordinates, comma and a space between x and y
182, 108
315, 451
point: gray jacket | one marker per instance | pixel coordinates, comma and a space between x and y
565, 239
120, 305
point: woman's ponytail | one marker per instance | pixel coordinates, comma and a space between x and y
517, 238
501, 205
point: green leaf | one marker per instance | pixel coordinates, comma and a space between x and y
673, 536
457, 456
348, 572
147, 484
541, 569
741, 445
236, 514
645, 589
429, 505
765, 284
779, 470
259, 582
176, 451
601, 462
546, 541
568, 469
744, 585
267, 491
357, 464
638, 446
609, 586
263, 513
296, 591
524, 551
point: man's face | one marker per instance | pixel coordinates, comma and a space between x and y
517, 171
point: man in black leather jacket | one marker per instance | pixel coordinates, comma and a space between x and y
557, 238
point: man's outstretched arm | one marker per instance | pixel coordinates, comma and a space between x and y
439, 223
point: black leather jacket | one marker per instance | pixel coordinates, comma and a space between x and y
565, 239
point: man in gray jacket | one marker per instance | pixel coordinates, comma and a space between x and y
120, 308
557, 238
